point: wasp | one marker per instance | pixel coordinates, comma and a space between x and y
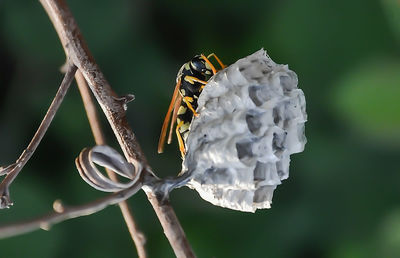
190, 81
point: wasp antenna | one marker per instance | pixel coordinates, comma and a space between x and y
218, 60
209, 63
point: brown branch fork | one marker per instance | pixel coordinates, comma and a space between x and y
113, 106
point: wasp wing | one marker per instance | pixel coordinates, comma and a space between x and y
174, 116
172, 105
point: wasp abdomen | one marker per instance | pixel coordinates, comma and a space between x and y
185, 115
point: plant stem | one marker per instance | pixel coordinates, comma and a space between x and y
15, 168
137, 236
62, 213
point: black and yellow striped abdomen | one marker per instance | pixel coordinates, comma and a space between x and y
184, 118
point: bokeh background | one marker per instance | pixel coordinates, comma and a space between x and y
342, 196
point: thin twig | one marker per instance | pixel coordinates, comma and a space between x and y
137, 236
14, 169
113, 107
62, 212
90, 109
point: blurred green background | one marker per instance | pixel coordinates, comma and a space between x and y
342, 196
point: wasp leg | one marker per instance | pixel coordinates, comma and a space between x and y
188, 101
180, 140
192, 79
218, 60
209, 63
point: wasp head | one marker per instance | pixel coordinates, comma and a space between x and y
199, 65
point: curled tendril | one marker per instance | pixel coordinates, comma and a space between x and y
107, 157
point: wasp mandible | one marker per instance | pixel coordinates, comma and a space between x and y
190, 81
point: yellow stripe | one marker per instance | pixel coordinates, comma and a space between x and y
184, 127
182, 110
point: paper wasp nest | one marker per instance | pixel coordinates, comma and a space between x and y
251, 119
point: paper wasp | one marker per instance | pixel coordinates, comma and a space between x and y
190, 81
